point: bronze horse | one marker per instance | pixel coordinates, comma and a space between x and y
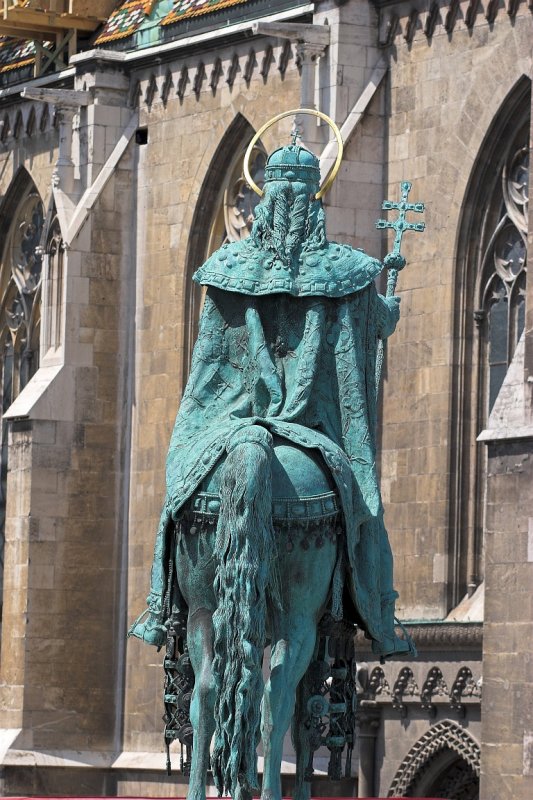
275, 587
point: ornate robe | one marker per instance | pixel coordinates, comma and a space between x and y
296, 354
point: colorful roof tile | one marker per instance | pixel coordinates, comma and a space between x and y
184, 9
15, 53
125, 20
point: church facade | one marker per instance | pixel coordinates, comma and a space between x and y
120, 172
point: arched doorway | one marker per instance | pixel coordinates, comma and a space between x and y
444, 762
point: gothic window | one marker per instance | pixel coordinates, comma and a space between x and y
20, 310
224, 213
502, 271
491, 283
236, 202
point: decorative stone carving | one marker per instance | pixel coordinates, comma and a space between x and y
464, 686
285, 56
182, 82
445, 734
433, 685
251, 63
388, 28
232, 70
471, 13
268, 60
434, 692
216, 73
405, 685
166, 87
432, 19
410, 28
377, 683
451, 16
236, 213
199, 79
491, 11
151, 91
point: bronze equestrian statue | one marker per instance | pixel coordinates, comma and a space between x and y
273, 518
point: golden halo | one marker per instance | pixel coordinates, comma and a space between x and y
314, 113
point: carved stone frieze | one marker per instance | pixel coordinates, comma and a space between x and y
464, 686
195, 78
19, 122
404, 686
420, 18
375, 685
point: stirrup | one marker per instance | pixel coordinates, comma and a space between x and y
394, 646
149, 630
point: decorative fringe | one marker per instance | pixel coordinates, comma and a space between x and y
246, 549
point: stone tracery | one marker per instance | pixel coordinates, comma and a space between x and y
444, 735
20, 316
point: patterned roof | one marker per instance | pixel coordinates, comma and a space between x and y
130, 16
15, 53
193, 8
125, 20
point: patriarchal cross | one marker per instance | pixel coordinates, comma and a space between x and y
400, 225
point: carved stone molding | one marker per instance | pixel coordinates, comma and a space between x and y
445, 734
405, 685
438, 636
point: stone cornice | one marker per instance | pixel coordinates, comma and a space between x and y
438, 636
425, 18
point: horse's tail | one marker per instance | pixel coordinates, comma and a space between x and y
245, 550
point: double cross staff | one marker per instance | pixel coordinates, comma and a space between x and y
400, 225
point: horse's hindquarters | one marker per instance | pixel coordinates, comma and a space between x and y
256, 556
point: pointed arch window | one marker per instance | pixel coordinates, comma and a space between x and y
501, 284
491, 284
20, 310
235, 205
224, 213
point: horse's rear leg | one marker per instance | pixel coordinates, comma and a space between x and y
200, 644
289, 661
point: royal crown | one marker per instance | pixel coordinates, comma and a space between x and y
293, 163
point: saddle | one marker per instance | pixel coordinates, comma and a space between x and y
304, 500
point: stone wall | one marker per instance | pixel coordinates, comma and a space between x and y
507, 754
442, 99
62, 662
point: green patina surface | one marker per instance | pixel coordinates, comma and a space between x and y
278, 419
288, 338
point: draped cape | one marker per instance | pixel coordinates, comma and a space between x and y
300, 361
